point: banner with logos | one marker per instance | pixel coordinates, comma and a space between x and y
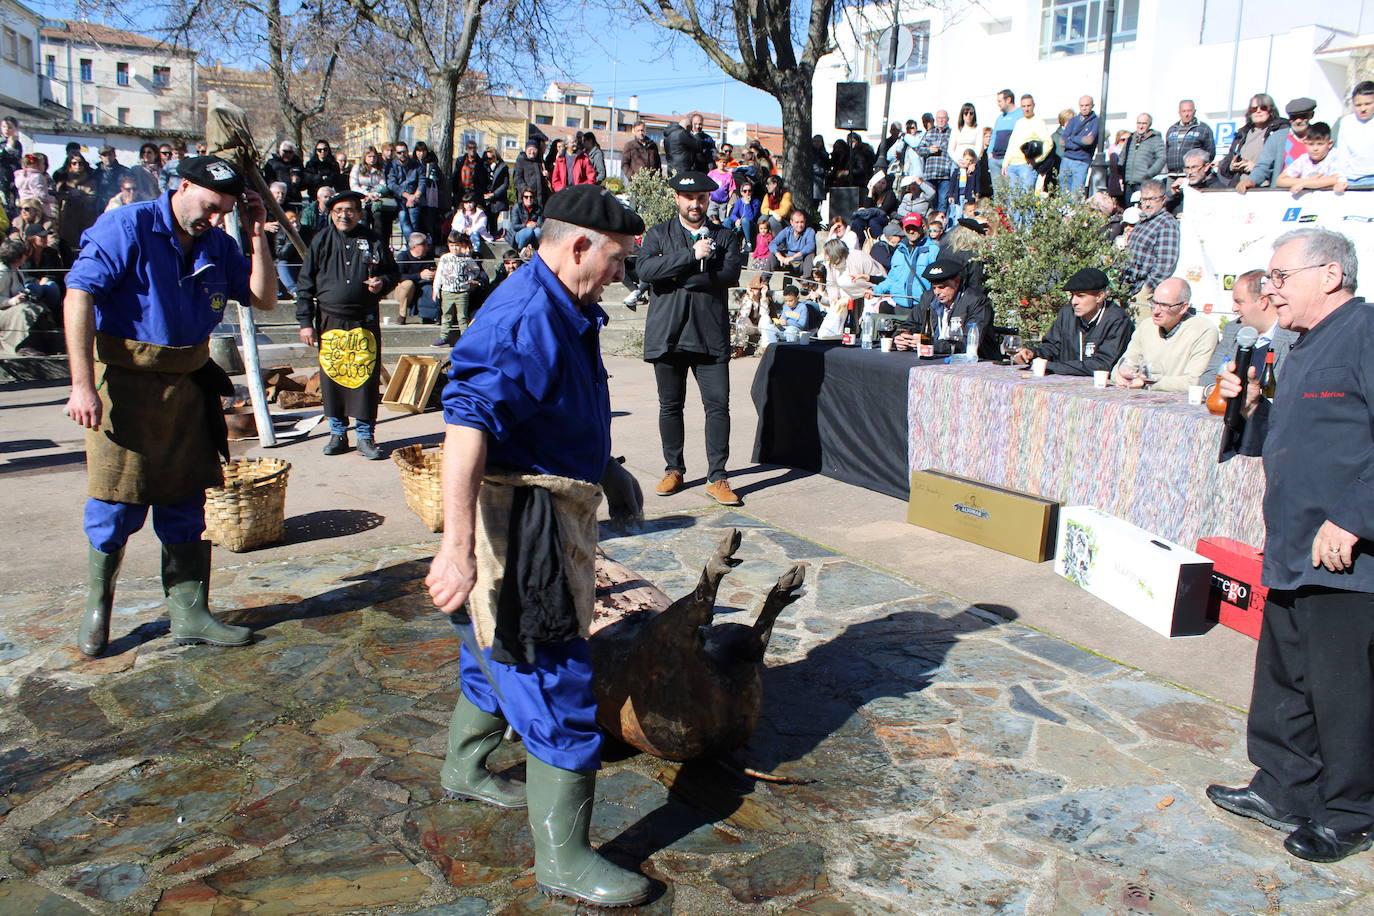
1225, 234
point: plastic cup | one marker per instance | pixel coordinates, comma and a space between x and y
1039, 366
886, 344
1100, 378
1196, 393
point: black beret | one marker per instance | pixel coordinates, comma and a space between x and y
969, 222
942, 269
692, 183
341, 197
211, 172
593, 207
1087, 280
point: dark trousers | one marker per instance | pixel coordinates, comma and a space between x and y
713, 381
1311, 728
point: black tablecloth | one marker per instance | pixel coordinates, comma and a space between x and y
838, 410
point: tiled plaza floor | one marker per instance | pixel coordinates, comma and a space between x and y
949, 761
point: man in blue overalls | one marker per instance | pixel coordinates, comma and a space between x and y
150, 284
528, 440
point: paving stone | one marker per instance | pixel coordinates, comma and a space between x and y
61, 711
225, 725
974, 785
17, 896
395, 737
1022, 701
975, 661
1087, 759
157, 692
472, 843
1062, 653
843, 585
294, 808
202, 859
912, 744
838, 903
932, 877
1091, 715
290, 668
24, 772
778, 873
418, 774
336, 869
1081, 887
995, 733
1172, 714
287, 752
108, 882
137, 815
10, 650
463, 906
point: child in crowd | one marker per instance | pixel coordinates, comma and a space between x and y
33, 181
966, 188
758, 258
456, 276
1314, 170
719, 207
753, 318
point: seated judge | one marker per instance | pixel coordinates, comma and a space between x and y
1253, 310
1089, 334
1167, 352
946, 300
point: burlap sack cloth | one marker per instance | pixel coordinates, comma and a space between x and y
575, 504
154, 445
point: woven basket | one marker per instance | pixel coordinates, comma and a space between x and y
421, 479
249, 510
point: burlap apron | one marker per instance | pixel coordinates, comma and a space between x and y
575, 503
153, 446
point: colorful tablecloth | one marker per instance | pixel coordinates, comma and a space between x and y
1148, 458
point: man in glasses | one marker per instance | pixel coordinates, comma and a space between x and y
1153, 244
1168, 352
1281, 148
1309, 732
1253, 310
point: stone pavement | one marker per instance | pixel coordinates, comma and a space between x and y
948, 758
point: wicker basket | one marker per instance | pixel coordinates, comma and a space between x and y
421, 479
249, 510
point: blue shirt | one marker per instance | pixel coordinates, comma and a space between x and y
528, 372
132, 264
1001, 132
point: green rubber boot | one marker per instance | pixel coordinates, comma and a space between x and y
565, 865
472, 736
103, 569
186, 583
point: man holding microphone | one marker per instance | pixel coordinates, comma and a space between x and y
1310, 732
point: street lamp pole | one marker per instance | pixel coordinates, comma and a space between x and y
1099, 166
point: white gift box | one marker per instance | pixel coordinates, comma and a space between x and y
1159, 583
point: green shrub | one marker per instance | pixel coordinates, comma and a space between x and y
651, 198
1053, 237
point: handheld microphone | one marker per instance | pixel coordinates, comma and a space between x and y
1245, 348
696, 237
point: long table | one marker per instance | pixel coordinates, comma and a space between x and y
837, 410
1149, 458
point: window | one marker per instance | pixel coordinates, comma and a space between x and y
162, 77
87, 114
570, 99
623, 127
1077, 26
26, 52
50, 64
875, 65
543, 119
598, 125
159, 119
509, 141
574, 122
123, 115
471, 136
10, 46
122, 73
87, 71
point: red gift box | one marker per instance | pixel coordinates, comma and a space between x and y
1236, 599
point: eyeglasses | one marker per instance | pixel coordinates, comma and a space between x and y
1156, 305
1255, 108
911, 228
164, 152
1276, 278
321, 149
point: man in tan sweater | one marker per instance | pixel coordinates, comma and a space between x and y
1171, 350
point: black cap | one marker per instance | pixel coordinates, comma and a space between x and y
593, 207
341, 197
942, 269
1087, 280
1303, 105
692, 183
969, 222
211, 172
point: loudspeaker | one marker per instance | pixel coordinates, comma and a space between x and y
851, 106
844, 201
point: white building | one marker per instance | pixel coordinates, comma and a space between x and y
102, 76
19, 94
1164, 50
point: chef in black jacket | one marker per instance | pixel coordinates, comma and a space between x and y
1088, 334
345, 274
690, 264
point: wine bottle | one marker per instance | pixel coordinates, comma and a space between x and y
1269, 382
927, 341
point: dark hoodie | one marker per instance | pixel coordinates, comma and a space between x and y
320, 173
334, 276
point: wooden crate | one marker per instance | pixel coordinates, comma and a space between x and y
412, 383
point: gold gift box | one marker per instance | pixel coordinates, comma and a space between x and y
1013, 522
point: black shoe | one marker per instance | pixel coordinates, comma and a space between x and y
1248, 803
336, 445
370, 450
441, 342
1317, 843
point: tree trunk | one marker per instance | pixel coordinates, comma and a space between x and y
793, 93
445, 83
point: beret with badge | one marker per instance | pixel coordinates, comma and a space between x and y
692, 183
342, 197
593, 207
942, 269
211, 172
